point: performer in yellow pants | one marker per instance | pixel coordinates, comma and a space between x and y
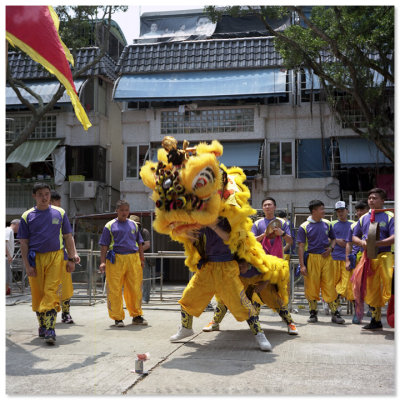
43, 230
378, 290
67, 289
122, 259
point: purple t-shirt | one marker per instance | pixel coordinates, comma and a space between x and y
215, 248
341, 230
315, 235
386, 227
260, 226
122, 237
355, 248
44, 228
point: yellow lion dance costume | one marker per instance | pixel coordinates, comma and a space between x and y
192, 189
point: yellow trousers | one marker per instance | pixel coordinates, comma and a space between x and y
379, 285
46, 285
320, 277
67, 289
126, 272
220, 279
344, 285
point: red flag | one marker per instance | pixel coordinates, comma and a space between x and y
34, 29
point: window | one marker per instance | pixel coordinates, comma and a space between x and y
349, 112
89, 161
135, 157
46, 128
281, 158
207, 121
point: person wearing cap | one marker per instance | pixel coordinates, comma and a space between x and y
353, 254
316, 238
379, 280
67, 289
10, 247
122, 259
148, 262
271, 235
43, 232
341, 228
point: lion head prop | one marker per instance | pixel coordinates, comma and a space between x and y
192, 189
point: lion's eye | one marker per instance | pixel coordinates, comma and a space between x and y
205, 176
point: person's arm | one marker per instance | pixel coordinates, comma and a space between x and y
385, 242
8, 255
349, 247
329, 249
300, 252
359, 242
24, 245
341, 242
73, 256
146, 245
224, 235
141, 254
103, 254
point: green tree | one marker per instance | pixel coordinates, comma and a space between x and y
350, 49
80, 26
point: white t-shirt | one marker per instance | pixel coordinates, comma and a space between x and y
10, 240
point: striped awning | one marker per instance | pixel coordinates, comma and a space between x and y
32, 151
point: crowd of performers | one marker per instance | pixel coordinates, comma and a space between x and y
204, 205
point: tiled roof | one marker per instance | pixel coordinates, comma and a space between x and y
199, 55
24, 68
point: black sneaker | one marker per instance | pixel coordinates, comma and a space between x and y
66, 318
50, 336
373, 325
119, 323
139, 320
337, 319
313, 317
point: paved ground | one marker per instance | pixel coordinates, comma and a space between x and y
92, 357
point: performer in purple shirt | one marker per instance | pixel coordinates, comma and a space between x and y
316, 237
353, 254
378, 289
341, 228
43, 230
122, 258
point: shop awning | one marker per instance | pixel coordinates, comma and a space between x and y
45, 89
241, 154
359, 151
201, 85
32, 151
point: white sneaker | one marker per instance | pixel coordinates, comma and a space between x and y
212, 326
263, 342
292, 330
182, 333
339, 310
326, 308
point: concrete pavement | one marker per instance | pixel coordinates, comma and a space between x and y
92, 357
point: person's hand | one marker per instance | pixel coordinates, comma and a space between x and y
364, 244
303, 270
341, 242
70, 266
278, 231
77, 259
31, 271
243, 266
327, 252
102, 268
348, 264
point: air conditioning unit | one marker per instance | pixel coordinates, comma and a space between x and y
82, 190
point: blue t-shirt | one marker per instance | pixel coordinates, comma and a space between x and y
315, 235
341, 230
122, 237
386, 227
44, 228
355, 249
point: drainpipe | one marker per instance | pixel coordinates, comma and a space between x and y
109, 165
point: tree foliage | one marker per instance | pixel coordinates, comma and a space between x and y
350, 49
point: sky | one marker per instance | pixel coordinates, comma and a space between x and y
129, 21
